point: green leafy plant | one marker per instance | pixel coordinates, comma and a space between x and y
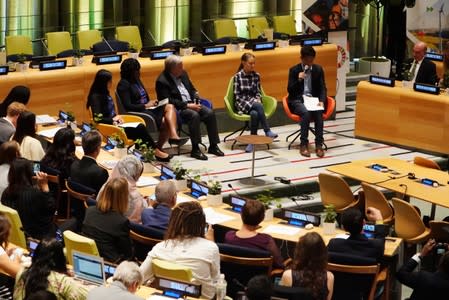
70, 116
184, 43
267, 198
132, 48
405, 72
147, 152
78, 53
21, 58
180, 171
329, 213
98, 117
120, 142
214, 187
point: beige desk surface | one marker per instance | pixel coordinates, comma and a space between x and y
402, 116
68, 89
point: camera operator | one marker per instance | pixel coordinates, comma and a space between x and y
424, 283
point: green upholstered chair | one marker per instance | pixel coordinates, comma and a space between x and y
284, 24
269, 105
225, 28
129, 34
58, 42
256, 26
87, 38
17, 44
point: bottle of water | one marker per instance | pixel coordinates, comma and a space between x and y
220, 288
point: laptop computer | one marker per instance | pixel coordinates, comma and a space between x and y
88, 268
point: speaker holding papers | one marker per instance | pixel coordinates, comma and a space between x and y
426, 88
381, 80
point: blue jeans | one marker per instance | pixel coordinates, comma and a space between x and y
257, 115
298, 108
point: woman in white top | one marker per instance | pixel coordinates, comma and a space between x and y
186, 245
25, 135
9, 151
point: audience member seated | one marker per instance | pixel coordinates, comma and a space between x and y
61, 153
106, 223
135, 98
247, 94
9, 122
42, 295
253, 213
30, 147
9, 151
309, 267
174, 83
35, 204
357, 244
259, 288
186, 245
100, 102
86, 171
131, 168
158, 215
19, 94
422, 69
125, 282
49, 272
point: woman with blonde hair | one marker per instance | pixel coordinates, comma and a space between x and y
107, 224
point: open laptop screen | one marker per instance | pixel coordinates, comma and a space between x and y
88, 267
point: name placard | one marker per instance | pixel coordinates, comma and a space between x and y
212, 50
312, 42
4, 70
381, 80
109, 59
426, 88
301, 218
434, 56
52, 65
161, 54
258, 46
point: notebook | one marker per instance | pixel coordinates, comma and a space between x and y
88, 268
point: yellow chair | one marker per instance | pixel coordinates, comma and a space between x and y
16, 235
108, 129
87, 38
18, 44
375, 198
284, 24
167, 269
425, 162
334, 190
256, 26
225, 28
74, 241
58, 42
408, 224
129, 34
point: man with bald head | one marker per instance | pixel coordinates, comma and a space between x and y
158, 215
422, 69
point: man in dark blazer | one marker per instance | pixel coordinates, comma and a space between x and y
357, 244
424, 70
307, 78
426, 285
86, 171
174, 83
8, 123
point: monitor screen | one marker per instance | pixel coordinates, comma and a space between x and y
4, 70
167, 173
161, 54
109, 59
369, 230
214, 50
52, 65
237, 203
88, 267
199, 189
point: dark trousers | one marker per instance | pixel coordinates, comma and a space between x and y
193, 120
257, 115
298, 108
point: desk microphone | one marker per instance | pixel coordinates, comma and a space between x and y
205, 35
261, 34
234, 190
43, 44
107, 43
151, 36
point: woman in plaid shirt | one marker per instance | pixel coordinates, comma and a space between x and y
248, 98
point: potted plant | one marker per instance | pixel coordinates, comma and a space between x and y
329, 219
181, 175
406, 76
119, 151
214, 197
148, 156
283, 42
21, 62
235, 47
268, 200
376, 64
184, 47
132, 52
77, 57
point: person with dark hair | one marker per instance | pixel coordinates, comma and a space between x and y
100, 102
309, 268
48, 271
248, 98
174, 83
107, 224
30, 147
185, 244
253, 213
259, 287
86, 171
9, 151
61, 153
357, 244
35, 205
135, 98
425, 284
19, 93
42, 295
307, 79
9, 122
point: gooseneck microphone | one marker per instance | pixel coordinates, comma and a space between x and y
261, 34
234, 190
206, 36
107, 43
151, 36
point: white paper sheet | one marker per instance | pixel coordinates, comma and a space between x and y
146, 181
342, 236
44, 119
311, 103
180, 199
109, 164
160, 103
49, 133
213, 217
129, 125
280, 229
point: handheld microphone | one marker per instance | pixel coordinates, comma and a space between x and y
196, 97
205, 35
306, 68
151, 36
107, 43
234, 190
261, 34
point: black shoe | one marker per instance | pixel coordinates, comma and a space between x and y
178, 142
164, 159
198, 155
215, 150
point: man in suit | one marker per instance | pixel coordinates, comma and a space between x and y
357, 244
159, 215
125, 282
422, 69
8, 123
86, 171
426, 285
174, 83
307, 79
